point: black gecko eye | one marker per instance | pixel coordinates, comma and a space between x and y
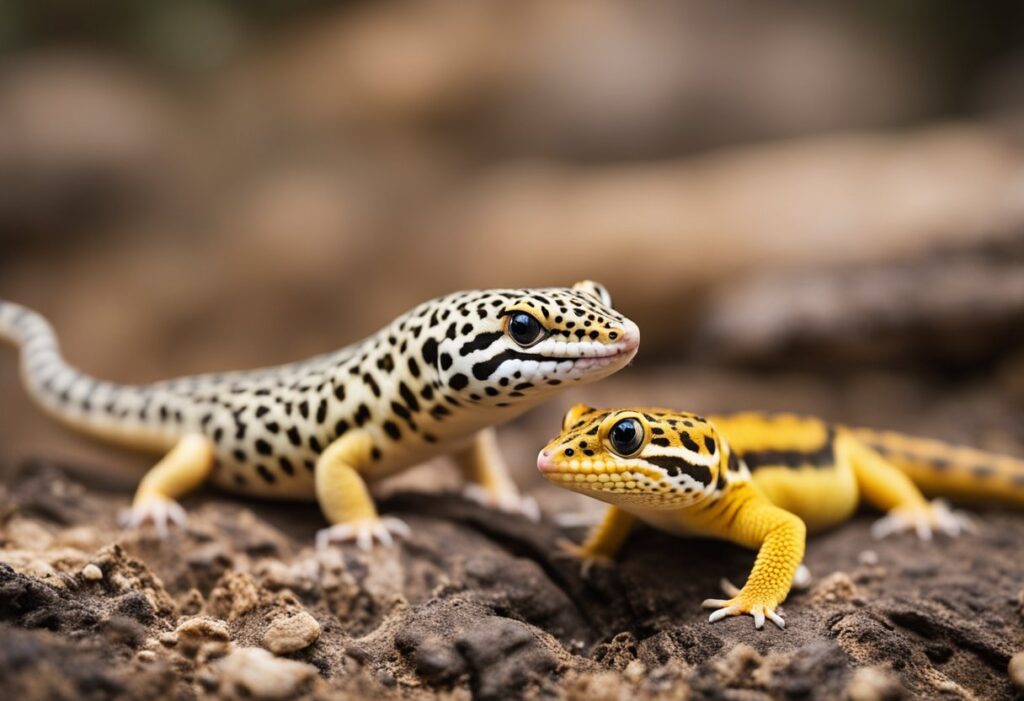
524, 329
626, 437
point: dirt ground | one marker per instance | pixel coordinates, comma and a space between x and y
480, 605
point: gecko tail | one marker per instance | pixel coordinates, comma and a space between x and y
109, 412
959, 473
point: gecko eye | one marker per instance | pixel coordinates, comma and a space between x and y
626, 437
524, 329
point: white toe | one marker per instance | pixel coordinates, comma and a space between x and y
728, 587
758, 619
722, 613
397, 526
775, 618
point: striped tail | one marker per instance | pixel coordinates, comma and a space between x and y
110, 412
959, 473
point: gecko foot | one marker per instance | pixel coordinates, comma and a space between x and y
509, 501
588, 560
160, 511
934, 517
739, 605
363, 532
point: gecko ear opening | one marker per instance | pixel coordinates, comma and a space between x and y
595, 290
573, 415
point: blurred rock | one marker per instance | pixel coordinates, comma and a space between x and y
873, 684
947, 309
1016, 670
658, 234
252, 672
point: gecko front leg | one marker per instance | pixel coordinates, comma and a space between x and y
345, 499
780, 538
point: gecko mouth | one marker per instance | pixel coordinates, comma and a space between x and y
626, 352
627, 347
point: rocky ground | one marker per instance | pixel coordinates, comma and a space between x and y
478, 604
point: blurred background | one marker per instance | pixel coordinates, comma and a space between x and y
813, 207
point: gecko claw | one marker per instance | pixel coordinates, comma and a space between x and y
160, 511
364, 533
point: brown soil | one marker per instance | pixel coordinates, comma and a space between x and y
476, 604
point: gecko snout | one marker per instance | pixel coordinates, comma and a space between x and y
544, 462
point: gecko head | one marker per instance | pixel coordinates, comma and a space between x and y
651, 458
516, 347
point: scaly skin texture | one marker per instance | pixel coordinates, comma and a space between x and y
761, 481
432, 382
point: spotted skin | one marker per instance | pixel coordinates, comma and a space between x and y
761, 481
430, 383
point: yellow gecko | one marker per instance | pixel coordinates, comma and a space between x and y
762, 481
432, 382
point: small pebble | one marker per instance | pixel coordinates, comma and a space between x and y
291, 633
1016, 670
635, 671
868, 557
146, 656
203, 628
92, 573
203, 636
873, 684
252, 672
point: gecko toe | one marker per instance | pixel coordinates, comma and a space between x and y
730, 589
776, 618
723, 612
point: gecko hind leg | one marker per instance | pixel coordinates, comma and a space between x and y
183, 469
885, 487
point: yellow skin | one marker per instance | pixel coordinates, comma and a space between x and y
761, 481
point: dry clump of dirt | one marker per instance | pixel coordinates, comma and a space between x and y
475, 604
